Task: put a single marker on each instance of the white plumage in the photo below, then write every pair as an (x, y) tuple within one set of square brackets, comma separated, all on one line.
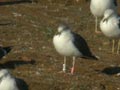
[(64, 45), (110, 26), (7, 82), (98, 7), (68, 43)]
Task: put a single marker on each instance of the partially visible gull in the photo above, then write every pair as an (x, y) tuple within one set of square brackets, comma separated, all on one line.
[(4, 51), (8, 82), (68, 43), (110, 26), (98, 7)]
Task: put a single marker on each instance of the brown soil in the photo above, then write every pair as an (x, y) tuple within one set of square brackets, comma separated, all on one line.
[(30, 27)]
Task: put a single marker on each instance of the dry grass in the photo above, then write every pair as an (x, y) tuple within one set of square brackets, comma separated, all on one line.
[(30, 28)]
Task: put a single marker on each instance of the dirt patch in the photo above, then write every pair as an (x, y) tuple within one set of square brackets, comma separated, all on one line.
[(30, 27)]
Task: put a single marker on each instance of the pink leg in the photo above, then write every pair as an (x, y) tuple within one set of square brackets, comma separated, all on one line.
[(73, 67)]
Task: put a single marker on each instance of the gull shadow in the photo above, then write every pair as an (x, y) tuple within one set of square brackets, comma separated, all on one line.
[(16, 63), (14, 2), (111, 70), (21, 84), (4, 22)]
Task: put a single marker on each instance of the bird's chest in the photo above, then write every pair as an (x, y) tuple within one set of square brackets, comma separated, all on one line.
[(110, 28), (7, 85), (98, 7), (62, 42), (64, 45), (100, 4)]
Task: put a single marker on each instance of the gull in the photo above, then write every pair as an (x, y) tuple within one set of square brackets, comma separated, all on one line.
[(98, 7), (68, 43), (4, 51), (8, 82), (110, 26)]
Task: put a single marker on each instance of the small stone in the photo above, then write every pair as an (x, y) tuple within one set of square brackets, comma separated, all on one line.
[(37, 73), (118, 74), (99, 48), (43, 47)]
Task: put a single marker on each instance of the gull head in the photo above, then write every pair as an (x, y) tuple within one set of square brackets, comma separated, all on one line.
[(108, 13), (3, 72), (63, 27)]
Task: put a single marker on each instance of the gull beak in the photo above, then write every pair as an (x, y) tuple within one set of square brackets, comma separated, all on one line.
[(57, 33), (105, 20)]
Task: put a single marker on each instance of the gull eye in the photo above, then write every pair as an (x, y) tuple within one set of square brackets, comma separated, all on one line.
[(57, 33), (105, 20)]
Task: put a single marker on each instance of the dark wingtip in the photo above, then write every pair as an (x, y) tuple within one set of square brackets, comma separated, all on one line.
[(92, 57), (5, 50), (8, 49), (95, 57)]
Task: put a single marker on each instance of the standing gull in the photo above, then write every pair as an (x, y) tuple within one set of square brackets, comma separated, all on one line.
[(110, 26), (8, 82), (68, 43), (98, 8)]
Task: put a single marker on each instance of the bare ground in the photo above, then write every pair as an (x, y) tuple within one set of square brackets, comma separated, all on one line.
[(30, 27)]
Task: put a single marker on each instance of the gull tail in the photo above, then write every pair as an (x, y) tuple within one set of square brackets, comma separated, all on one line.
[(95, 57), (91, 57)]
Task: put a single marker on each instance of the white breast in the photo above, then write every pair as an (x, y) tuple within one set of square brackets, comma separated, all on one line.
[(98, 7), (110, 28), (8, 84), (64, 45)]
